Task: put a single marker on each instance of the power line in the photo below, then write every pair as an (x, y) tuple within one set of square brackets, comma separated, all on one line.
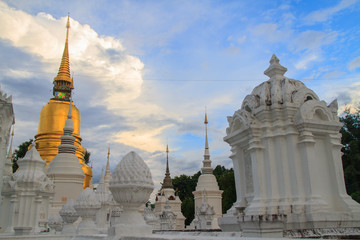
[(180, 80)]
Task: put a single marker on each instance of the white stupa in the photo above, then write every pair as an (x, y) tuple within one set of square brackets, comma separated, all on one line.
[(65, 169), (27, 195), (167, 195), (208, 186)]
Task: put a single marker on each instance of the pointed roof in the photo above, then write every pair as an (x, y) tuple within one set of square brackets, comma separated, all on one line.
[(64, 69), (167, 183), (206, 169)]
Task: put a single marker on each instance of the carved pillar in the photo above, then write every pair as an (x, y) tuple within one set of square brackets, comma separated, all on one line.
[(314, 202), (257, 205)]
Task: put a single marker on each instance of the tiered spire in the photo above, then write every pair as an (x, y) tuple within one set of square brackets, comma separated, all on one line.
[(67, 139), (63, 83), (206, 169), (107, 175), (167, 183)]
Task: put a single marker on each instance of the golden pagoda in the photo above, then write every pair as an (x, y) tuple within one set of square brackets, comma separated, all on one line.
[(54, 114)]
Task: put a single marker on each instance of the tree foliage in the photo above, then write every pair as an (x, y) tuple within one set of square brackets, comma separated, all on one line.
[(87, 157), (185, 185), (20, 153), (351, 157)]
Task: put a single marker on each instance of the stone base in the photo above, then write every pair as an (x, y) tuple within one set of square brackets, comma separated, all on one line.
[(87, 226), (262, 229), (22, 230), (130, 230), (331, 233), (69, 229), (229, 223)]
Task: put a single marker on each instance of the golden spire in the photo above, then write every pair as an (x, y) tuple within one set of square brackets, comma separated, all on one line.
[(63, 83), (108, 155), (167, 183), (64, 70)]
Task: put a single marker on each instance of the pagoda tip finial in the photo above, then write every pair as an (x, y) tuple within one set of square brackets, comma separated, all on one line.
[(167, 148), (68, 21), (206, 120), (274, 58), (69, 114)]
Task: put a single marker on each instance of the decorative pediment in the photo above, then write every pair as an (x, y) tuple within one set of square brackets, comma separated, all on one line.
[(313, 110), (241, 119)]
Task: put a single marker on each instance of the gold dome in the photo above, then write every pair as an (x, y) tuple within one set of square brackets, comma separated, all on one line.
[(51, 123)]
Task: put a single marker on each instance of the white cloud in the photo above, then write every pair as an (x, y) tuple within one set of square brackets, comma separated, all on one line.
[(324, 14), (355, 63), (304, 62), (272, 33), (314, 39)]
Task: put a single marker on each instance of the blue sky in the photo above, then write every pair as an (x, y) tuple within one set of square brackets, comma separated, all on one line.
[(145, 70)]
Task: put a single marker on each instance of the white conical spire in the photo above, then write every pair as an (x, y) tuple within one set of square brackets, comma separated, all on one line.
[(206, 169), (107, 175), (107, 169)]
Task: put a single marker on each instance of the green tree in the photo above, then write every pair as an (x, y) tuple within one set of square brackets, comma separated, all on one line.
[(20, 153), (351, 157), (226, 181), (184, 186), (87, 157)]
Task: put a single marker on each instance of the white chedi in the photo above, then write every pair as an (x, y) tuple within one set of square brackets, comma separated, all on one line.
[(69, 215), (131, 185), (86, 206), (26, 195)]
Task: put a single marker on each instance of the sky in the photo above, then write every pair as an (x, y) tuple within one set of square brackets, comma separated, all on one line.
[(144, 71)]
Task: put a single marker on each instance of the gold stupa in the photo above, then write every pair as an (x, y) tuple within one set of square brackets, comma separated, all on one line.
[(54, 114)]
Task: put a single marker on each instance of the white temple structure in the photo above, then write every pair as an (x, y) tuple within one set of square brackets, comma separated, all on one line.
[(285, 146), (7, 119), (207, 185), (65, 169), (167, 194), (26, 196)]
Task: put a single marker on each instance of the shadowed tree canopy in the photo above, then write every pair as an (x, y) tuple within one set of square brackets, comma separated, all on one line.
[(20, 153), (351, 157), (87, 157)]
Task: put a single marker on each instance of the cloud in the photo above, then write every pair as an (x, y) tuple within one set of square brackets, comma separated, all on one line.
[(355, 63), (324, 14), (311, 39), (271, 32)]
